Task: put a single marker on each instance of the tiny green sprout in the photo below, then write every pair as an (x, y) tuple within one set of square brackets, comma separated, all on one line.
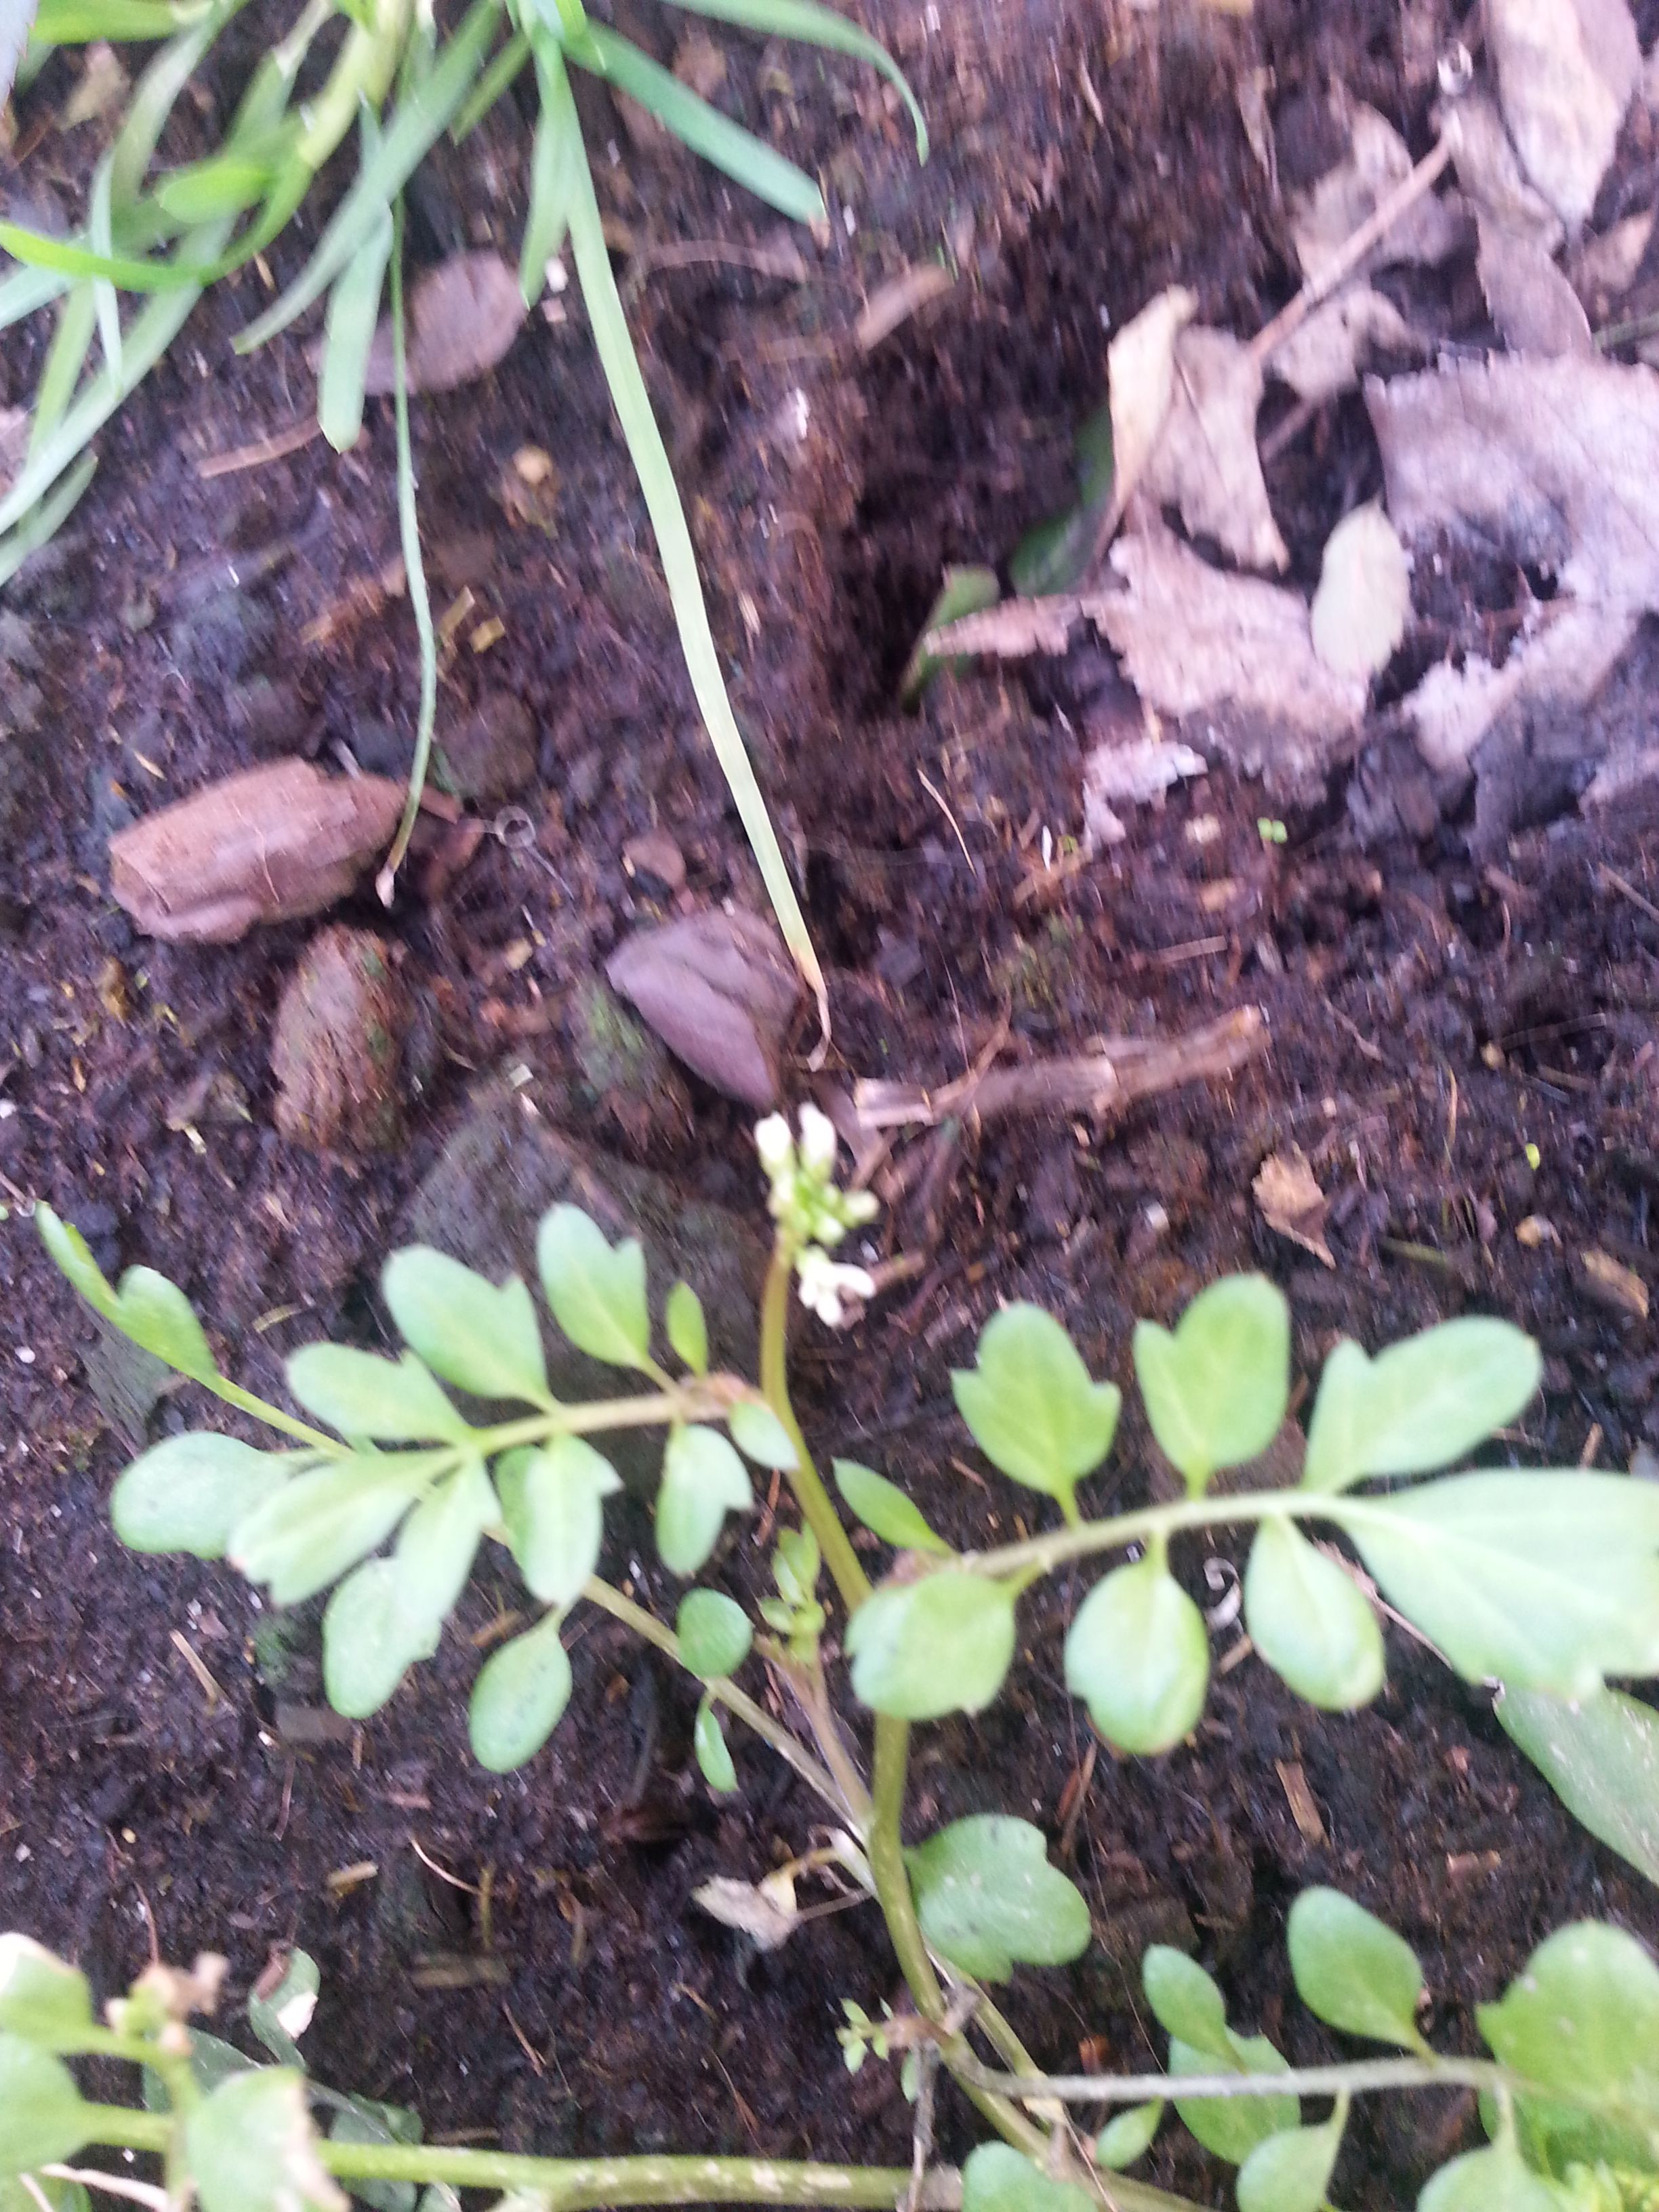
[(812, 1216), (1270, 832)]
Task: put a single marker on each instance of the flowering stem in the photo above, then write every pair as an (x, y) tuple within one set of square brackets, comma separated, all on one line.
[(810, 1495)]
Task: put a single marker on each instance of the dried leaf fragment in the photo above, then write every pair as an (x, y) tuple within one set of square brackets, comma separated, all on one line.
[(1566, 71), (1140, 368), (271, 844), (1365, 595), (1489, 170), (1205, 461), (1324, 219), (1141, 770), (1603, 268), (1534, 308), (1617, 1286), (766, 1911), (1292, 1202), (1323, 356), (720, 992)]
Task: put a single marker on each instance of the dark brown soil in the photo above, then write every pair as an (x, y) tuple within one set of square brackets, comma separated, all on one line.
[(1432, 1019)]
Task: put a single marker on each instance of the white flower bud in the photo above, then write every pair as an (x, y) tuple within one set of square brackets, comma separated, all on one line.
[(818, 1142), (825, 1284), (774, 1144)]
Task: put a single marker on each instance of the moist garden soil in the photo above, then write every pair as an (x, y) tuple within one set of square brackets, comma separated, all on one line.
[(1461, 1046)]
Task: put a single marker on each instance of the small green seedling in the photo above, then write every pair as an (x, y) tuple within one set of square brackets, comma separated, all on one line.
[(384, 1486)]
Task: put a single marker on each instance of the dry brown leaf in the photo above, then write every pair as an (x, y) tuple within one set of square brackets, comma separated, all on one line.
[(1324, 219), (1558, 461), (1534, 308), (1566, 71), (1135, 772), (1604, 269), (1615, 1285), (1140, 367), (765, 1912), (1365, 595), (720, 990), (1322, 358), (1489, 170), (1553, 674), (1205, 463), (1292, 1202), (1231, 650), (463, 318)]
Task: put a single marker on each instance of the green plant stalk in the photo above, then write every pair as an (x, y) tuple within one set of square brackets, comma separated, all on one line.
[(562, 2185), (807, 1485), (652, 1630), (655, 471), (420, 599)]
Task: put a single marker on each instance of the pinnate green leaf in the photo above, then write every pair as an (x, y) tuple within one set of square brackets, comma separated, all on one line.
[(996, 2178), (596, 1290), (885, 1510), (702, 1481), (1139, 1657), (940, 1646), (1419, 1405), (714, 1634), (1129, 2136), (371, 1639), (1352, 1970), (1232, 2127), (1289, 2173), (319, 1524), (1540, 1581), (761, 1436), (1494, 2180), (714, 1757), (1601, 1756), (41, 1997), (42, 2117), (482, 1336), (154, 1312), (988, 1898), (1216, 1386), (189, 1493), (688, 1330), (251, 2147), (1309, 1621), (1582, 2018), (1031, 1404), (519, 1694), (438, 1542), (553, 1506), (362, 1394)]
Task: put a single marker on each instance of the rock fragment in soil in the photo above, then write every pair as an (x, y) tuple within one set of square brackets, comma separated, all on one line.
[(491, 754), (336, 1050), (270, 844), (720, 992), (657, 856), (499, 1174), (463, 316)]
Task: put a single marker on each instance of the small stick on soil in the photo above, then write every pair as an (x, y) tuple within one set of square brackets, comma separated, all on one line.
[(1371, 233), (1616, 882), (276, 447)]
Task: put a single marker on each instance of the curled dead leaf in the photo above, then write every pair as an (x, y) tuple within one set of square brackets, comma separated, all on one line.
[(1140, 367), (1365, 595), (720, 992), (765, 1912), (1292, 1202), (1205, 461)]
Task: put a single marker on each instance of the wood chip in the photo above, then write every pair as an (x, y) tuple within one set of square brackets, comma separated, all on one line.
[(1614, 1286), (1304, 1809)]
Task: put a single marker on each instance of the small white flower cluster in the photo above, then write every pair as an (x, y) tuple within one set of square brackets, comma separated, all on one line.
[(811, 1214)]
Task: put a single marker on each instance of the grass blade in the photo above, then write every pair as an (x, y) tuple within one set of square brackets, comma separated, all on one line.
[(491, 87), (679, 560), (748, 160), (409, 529), (77, 320), (811, 25), (36, 251), (102, 241), (412, 130), (153, 98), (26, 291), (353, 308), (47, 519), (76, 22), (552, 181)]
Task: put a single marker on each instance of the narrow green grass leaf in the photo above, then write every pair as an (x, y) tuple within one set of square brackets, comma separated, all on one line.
[(100, 236), (811, 25), (353, 308), (77, 321), (679, 560), (153, 98), (68, 260), (76, 22), (26, 291), (412, 132), (552, 181), (748, 160), (501, 72)]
